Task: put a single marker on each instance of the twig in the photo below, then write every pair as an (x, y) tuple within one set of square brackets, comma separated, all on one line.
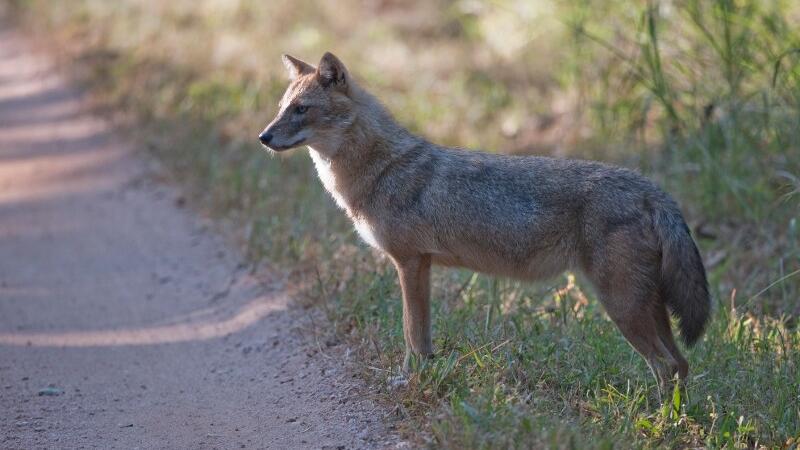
[(779, 280)]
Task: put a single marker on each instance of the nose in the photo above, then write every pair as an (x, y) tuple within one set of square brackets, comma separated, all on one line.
[(265, 137)]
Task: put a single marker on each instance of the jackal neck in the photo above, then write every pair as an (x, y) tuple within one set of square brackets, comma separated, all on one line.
[(367, 149)]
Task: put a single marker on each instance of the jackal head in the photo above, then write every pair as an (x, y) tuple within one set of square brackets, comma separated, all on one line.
[(315, 110)]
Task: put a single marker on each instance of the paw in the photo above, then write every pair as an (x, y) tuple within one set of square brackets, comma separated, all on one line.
[(414, 361)]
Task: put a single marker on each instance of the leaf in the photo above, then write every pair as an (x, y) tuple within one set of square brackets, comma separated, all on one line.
[(676, 401), (645, 424)]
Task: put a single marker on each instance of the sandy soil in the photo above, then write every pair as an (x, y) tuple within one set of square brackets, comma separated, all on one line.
[(125, 321)]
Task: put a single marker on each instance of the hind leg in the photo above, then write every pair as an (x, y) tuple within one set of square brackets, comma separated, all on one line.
[(639, 328), (625, 270), (680, 365)]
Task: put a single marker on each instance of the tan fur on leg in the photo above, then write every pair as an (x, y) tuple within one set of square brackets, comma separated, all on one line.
[(414, 275)]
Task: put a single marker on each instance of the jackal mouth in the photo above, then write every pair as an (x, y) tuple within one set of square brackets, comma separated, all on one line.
[(280, 148)]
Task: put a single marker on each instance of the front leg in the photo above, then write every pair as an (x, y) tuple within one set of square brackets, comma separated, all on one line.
[(415, 281)]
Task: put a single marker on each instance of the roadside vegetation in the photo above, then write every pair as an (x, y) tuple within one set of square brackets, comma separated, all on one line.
[(702, 96)]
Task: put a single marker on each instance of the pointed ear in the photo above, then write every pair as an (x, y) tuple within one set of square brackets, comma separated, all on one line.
[(296, 67), (331, 72)]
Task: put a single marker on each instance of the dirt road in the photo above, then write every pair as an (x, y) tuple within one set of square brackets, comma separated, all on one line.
[(125, 322)]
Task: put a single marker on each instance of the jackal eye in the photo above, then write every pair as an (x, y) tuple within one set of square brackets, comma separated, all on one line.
[(300, 109)]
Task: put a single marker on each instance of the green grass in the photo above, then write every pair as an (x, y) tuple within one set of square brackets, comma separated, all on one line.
[(702, 96), (520, 366)]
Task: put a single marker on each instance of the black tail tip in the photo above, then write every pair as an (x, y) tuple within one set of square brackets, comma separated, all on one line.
[(691, 334)]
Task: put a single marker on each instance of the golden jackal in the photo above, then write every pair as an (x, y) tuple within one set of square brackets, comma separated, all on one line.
[(524, 217)]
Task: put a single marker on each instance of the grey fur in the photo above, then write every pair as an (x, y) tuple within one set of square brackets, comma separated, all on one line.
[(525, 217)]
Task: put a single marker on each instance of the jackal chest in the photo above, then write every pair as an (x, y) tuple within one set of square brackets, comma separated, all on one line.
[(328, 178), (367, 232)]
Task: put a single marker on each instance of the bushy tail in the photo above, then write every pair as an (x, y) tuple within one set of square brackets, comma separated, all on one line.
[(684, 287)]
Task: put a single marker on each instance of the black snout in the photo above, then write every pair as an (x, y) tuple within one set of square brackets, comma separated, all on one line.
[(265, 137)]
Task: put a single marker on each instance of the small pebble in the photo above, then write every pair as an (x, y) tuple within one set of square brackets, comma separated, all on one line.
[(50, 391), (397, 381)]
